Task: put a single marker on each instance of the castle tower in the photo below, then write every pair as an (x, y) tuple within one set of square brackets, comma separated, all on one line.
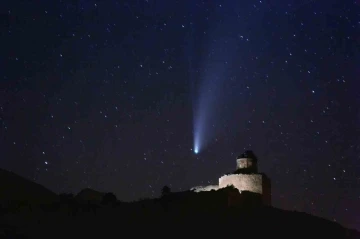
[(247, 178), (246, 163)]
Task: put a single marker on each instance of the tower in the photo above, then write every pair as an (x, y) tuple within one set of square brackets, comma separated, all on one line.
[(246, 163), (247, 178)]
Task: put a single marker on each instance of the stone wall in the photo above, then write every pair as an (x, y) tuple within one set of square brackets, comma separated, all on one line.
[(256, 183), (205, 188), (243, 182)]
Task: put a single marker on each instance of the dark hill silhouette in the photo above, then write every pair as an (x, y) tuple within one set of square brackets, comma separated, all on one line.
[(14, 188), (89, 195), (222, 213)]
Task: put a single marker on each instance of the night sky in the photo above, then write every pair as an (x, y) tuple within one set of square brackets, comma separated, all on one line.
[(117, 95)]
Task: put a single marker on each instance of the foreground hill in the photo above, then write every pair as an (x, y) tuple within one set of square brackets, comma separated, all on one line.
[(222, 213), (14, 188)]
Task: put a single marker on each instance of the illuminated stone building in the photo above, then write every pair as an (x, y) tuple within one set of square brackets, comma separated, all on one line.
[(245, 178)]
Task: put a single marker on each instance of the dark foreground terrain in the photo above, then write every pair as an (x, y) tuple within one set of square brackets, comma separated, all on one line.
[(224, 213), (165, 217)]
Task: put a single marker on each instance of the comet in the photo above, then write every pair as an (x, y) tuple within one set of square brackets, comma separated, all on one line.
[(210, 75)]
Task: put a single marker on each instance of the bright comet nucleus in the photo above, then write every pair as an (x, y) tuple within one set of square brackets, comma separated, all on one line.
[(197, 140)]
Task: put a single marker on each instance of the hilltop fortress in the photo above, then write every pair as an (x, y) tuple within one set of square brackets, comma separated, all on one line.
[(245, 178)]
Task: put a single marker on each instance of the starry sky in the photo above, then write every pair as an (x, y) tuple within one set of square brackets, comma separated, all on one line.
[(115, 95)]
